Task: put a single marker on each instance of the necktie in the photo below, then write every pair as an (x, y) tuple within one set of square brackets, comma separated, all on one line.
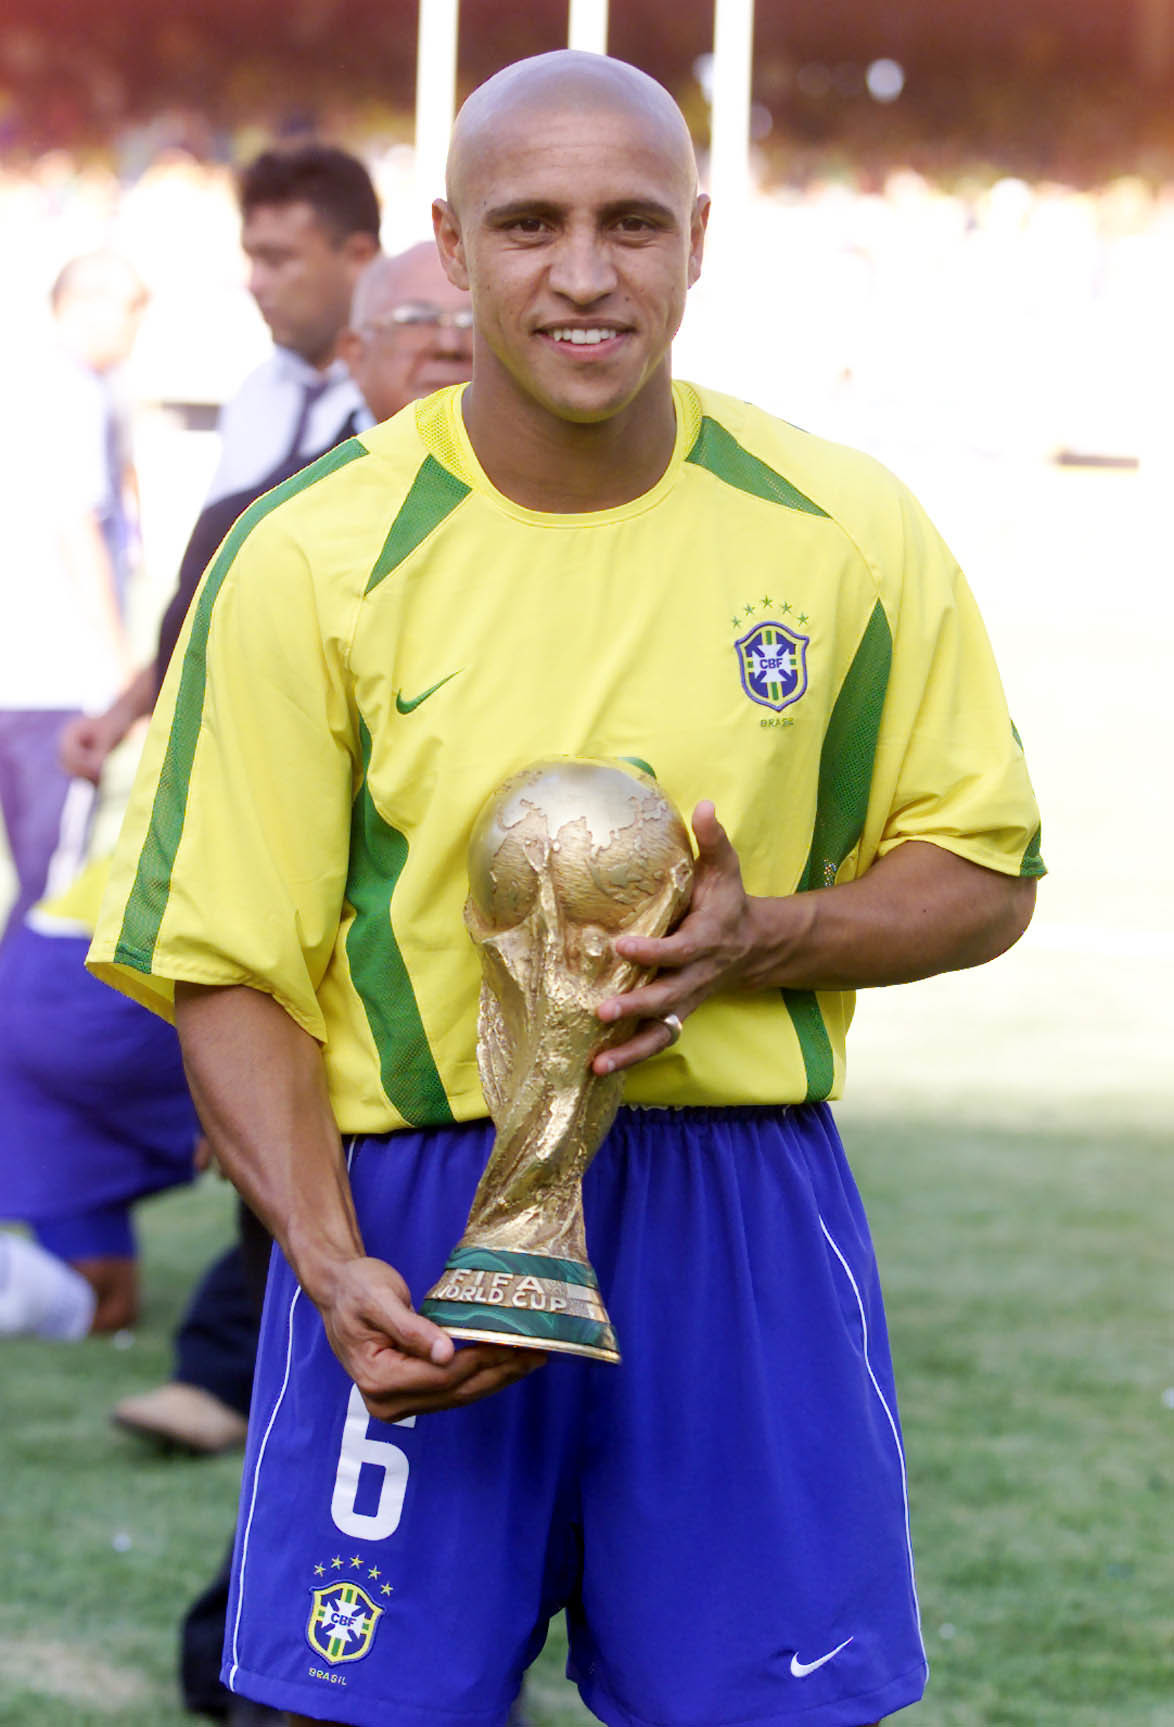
[(310, 394)]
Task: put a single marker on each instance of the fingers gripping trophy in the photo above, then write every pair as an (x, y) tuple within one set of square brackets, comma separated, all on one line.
[(564, 857)]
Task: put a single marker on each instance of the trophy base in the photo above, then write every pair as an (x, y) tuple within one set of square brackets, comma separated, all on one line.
[(529, 1300)]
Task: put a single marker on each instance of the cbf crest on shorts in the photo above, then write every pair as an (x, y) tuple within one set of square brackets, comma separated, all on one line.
[(773, 662), (342, 1622)]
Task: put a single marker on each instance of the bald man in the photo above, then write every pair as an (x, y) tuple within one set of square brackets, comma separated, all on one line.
[(574, 556), (410, 331)]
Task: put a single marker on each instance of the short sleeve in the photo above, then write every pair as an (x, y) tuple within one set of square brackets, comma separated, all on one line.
[(232, 861), (950, 765)]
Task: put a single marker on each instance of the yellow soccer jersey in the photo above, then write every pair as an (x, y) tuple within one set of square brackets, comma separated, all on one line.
[(380, 641)]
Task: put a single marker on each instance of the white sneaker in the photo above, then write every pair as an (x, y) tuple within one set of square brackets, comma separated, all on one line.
[(40, 1295)]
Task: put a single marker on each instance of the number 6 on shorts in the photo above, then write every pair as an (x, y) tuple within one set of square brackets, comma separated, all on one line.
[(357, 1448)]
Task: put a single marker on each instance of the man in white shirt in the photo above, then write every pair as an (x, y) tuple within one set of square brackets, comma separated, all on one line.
[(310, 226), (68, 528)]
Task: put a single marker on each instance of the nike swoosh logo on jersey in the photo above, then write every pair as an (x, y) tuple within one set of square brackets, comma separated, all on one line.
[(406, 707), (800, 1669)]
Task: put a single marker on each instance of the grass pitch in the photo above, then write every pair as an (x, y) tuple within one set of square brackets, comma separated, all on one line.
[(1029, 1300)]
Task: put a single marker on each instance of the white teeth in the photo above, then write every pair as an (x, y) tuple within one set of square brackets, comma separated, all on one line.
[(583, 338)]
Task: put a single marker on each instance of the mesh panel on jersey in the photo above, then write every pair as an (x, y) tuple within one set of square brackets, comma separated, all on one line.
[(1032, 863), (436, 422), (721, 454), (433, 494), (849, 748), (378, 853), (845, 779), (152, 884)]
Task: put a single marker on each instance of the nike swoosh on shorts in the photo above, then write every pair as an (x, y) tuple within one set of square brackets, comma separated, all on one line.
[(800, 1669)]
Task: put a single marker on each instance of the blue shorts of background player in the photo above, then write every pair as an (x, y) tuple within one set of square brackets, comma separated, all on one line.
[(95, 1117), (723, 1518)]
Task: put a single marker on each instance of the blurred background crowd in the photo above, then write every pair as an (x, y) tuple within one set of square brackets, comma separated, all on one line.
[(994, 182)]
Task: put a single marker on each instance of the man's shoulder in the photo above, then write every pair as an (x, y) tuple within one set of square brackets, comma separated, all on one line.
[(359, 486), (834, 479)]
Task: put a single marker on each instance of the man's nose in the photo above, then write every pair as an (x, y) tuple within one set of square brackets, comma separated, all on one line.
[(449, 339), (582, 268)]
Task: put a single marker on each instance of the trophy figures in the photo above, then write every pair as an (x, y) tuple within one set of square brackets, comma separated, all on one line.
[(564, 857)]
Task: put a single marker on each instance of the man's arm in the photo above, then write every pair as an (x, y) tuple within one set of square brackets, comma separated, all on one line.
[(88, 740), (918, 911), (259, 1086)]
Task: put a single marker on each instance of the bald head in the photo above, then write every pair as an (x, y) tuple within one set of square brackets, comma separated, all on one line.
[(390, 281), (409, 333), (524, 101), (97, 300), (94, 276)]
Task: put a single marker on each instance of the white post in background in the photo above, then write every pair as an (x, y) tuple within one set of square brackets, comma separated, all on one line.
[(729, 148), (436, 82), (587, 26)]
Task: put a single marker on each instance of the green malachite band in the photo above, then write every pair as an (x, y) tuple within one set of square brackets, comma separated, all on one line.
[(378, 853), (433, 495), (845, 779), (523, 1265), (723, 456), (148, 897), (536, 1328)]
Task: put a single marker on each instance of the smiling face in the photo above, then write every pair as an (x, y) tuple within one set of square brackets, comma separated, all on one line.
[(574, 220)]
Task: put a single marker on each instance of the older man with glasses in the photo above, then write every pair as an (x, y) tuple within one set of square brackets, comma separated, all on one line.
[(411, 331)]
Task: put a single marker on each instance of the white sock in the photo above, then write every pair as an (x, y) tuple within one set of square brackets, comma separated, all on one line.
[(40, 1295)]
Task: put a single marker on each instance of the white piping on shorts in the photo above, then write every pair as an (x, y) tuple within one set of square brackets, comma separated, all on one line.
[(240, 1595), (892, 1427)]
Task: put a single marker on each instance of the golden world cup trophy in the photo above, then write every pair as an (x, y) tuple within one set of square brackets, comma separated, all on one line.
[(564, 857)]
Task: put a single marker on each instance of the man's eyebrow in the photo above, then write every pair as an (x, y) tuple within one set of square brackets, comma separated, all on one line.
[(546, 210)]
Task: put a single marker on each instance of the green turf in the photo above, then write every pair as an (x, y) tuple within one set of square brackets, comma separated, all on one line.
[(1030, 1304)]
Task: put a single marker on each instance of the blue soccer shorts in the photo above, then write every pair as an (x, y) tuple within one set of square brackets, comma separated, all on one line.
[(723, 1518)]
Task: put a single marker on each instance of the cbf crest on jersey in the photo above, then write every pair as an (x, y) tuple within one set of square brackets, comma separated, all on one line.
[(342, 1622), (773, 662)]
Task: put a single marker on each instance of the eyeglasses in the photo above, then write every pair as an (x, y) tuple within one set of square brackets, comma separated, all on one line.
[(422, 315)]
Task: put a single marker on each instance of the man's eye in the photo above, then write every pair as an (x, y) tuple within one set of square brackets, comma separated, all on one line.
[(634, 225)]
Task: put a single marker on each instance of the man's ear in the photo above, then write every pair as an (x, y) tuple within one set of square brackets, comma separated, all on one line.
[(359, 249), (349, 348), (697, 229), (447, 228)]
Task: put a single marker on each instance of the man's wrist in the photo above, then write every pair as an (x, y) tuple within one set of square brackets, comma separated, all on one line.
[(321, 1267), (780, 931)]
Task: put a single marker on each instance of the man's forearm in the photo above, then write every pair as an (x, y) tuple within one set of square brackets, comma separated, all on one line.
[(258, 1083), (133, 702), (918, 911)]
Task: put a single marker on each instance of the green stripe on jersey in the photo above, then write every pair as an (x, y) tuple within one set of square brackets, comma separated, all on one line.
[(718, 451), (433, 495), (378, 853), (152, 884), (845, 779), (1032, 863)]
